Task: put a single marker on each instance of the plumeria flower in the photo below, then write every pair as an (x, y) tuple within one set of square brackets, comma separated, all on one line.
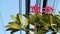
[(35, 9), (48, 10)]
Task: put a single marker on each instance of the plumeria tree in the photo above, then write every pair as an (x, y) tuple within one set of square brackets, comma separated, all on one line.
[(42, 21), (17, 24)]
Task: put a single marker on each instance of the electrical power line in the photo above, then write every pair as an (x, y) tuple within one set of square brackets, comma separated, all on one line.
[(55, 5), (2, 24)]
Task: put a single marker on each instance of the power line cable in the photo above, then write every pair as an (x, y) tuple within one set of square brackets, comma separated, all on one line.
[(2, 24), (55, 5)]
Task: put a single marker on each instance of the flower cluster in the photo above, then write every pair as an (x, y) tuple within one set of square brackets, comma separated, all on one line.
[(35, 9), (47, 10)]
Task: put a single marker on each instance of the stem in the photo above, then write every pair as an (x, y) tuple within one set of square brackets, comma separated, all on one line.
[(52, 25), (35, 29), (50, 20)]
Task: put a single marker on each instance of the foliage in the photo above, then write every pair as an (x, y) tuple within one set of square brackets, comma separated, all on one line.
[(42, 21), (17, 24)]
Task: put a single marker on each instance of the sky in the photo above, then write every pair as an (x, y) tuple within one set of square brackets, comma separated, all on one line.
[(11, 7)]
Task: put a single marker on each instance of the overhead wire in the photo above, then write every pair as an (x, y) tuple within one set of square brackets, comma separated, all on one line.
[(53, 3), (56, 6), (2, 24)]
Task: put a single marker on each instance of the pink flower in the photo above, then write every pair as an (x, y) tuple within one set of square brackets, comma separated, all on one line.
[(48, 10), (35, 9)]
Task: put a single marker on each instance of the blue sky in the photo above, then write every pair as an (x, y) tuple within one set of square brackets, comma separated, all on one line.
[(11, 7)]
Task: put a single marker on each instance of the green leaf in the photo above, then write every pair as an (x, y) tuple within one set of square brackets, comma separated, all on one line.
[(26, 16), (19, 17), (12, 30), (25, 23), (58, 17), (13, 26), (14, 18)]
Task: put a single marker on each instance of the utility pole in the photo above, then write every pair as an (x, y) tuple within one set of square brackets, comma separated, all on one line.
[(27, 12), (44, 3), (20, 10), (20, 6)]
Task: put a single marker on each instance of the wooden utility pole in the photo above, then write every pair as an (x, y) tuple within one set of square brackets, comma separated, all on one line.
[(27, 12), (20, 6), (20, 10), (44, 3)]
